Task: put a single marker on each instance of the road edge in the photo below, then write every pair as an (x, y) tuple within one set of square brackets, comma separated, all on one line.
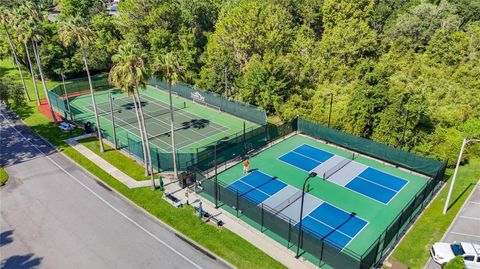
[(175, 232)]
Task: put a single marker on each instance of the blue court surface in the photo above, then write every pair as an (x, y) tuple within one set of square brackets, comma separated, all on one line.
[(326, 221), (367, 181), (335, 225)]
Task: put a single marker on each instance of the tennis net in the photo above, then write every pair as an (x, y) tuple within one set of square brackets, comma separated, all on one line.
[(150, 115), (279, 208), (330, 172)]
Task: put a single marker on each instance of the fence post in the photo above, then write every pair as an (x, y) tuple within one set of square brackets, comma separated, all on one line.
[(289, 231), (158, 160), (321, 251), (236, 204), (244, 149), (262, 219), (399, 225)]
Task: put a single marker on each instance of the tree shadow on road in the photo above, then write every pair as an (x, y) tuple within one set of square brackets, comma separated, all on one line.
[(5, 238), (21, 262)]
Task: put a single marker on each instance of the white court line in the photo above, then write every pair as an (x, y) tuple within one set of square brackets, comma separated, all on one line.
[(476, 203), (383, 186), (301, 156), (465, 234), (179, 112), (190, 116), (225, 122), (100, 198), (334, 229), (159, 122), (253, 187)]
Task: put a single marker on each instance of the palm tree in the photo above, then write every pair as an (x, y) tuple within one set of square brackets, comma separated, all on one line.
[(36, 36), (129, 73), (6, 18), (24, 33), (75, 30), (168, 68)]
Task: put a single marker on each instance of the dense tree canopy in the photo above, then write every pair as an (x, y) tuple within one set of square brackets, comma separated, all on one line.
[(401, 72)]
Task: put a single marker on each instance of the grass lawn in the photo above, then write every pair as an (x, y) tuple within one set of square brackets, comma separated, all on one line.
[(413, 251), (222, 242), (8, 69), (3, 176), (117, 159)]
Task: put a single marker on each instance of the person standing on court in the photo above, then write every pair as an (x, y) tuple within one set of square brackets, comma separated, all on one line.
[(246, 164)]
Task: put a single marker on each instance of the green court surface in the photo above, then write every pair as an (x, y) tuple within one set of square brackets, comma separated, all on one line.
[(195, 125), (378, 215)]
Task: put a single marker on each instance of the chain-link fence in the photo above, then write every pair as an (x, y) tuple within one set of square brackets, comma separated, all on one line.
[(239, 109), (325, 251)]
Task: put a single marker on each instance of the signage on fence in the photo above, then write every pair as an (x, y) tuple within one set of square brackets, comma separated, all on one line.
[(196, 96)]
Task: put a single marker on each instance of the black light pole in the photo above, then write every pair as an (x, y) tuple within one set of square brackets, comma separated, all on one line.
[(66, 94), (216, 179), (330, 110), (110, 99), (405, 113), (312, 174)]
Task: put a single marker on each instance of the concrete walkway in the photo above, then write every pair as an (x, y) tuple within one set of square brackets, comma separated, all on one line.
[(274, 249), (106, 166)]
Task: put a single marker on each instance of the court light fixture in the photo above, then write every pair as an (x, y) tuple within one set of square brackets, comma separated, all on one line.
[(465, 142), (311, 175)]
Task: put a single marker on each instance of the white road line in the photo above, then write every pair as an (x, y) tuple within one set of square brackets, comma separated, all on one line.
[(100, 198), (465, 217), (474, 203), (465, 234)]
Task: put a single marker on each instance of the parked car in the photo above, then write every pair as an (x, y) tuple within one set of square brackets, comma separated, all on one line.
[(442, 253)]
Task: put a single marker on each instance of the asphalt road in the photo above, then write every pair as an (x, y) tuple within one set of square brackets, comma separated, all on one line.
[(466, 225), (56, 215)]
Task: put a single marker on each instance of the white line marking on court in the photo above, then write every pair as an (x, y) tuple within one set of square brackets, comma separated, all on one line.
[(383, 186), (301, 156), (318, 161), (465, 234), (100, 198), (476, 203), (334, 229)]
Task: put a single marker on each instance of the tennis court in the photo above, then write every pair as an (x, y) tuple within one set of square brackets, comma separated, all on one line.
[(195, 126), (189, 128), (350, 204), (377, 185)]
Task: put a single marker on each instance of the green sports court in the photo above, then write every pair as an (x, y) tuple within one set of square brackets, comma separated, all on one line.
[(197, 122), (354, 209)]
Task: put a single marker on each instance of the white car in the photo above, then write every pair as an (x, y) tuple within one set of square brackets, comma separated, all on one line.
[(442, 253)]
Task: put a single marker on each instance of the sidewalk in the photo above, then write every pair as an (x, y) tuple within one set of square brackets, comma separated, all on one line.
[(271, 247), (106, 166)]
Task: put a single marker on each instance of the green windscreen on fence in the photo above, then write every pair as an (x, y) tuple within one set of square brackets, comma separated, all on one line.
[(371, 148), (326, 252), (81, 86), (242, 110)]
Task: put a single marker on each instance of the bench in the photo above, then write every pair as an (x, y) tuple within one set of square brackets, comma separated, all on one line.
[(210, 218), (172, 200)]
